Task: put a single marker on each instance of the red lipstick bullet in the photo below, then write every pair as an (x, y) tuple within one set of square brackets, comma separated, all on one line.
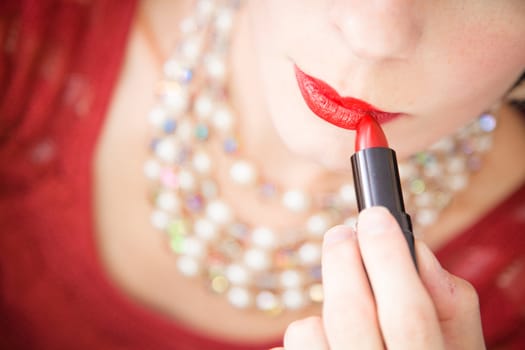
[(376, 176)]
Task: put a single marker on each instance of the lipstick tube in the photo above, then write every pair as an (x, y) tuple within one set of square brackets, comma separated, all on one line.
[(376, 182)]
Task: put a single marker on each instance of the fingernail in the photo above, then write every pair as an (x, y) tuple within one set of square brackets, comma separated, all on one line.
[(338, 234), (374, 221)]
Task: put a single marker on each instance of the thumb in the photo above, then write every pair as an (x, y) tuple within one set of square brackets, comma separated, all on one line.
[(455, 300)]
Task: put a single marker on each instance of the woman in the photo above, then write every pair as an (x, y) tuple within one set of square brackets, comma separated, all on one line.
[(97, 255)]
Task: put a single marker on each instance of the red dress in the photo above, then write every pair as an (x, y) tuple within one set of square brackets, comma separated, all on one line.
[(59, 64)]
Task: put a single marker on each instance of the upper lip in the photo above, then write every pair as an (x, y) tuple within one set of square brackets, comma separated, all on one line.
[(325, 101)]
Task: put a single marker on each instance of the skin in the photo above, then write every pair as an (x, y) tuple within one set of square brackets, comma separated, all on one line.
[(439, 63)]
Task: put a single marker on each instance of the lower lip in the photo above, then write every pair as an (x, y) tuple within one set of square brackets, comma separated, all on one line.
[(325, 102)]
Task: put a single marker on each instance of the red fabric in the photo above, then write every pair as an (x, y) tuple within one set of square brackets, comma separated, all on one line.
[(59, 63)]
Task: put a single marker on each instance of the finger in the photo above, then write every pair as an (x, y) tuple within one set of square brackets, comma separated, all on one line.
[(405, 311), (306, 333), (349, 313), (455, 300)]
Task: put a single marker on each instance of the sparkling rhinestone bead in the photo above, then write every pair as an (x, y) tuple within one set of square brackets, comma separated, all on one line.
[(243, 172), (169, 179), (219, 284), (239, 297), (169, 126), (209, 189), (487, 122), (230, 145), (296, 201), (202, 132), (194, 203)]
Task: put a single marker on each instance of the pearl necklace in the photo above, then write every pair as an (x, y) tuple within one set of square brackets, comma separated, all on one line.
[(257, 265)]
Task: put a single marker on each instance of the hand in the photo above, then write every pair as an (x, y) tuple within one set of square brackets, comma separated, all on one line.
[(393, 307)]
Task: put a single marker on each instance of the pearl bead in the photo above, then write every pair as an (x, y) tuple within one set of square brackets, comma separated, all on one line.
[(159, 219), (156, 116), (166, 150), (243, 172), (215, 67), (186, 180), (152, 169), (224, 21), (237, 274), (188, 266), (203, 106), (266, 301), (317, 225), (263, 237), (456, 164), (202, 162), (351, 222), (347, 194), (293, 299), (205, 229), (168, 201), (223, 119), (458, 182), (406, 171), (256, 259), (239, 297), (185, 131), (290, 279), (175, 98), (444, 145), (191, 49), (316, 293), (218, 212), (426, 217), (296, 201), (193, 247), (309, 253)]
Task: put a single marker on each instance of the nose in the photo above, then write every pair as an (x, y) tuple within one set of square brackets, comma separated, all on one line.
[(379, 29)]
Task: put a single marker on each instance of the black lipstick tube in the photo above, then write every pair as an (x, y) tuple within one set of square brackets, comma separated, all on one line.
[(376, 182)]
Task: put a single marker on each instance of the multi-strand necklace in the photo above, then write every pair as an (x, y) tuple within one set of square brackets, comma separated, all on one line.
[(253, 264)]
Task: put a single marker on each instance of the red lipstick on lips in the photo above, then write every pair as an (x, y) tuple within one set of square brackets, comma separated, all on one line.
[(325, 102)]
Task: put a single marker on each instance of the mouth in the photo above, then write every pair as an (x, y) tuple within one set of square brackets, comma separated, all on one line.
[(326, 103)]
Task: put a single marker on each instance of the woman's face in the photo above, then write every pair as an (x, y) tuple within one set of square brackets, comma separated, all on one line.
[(440, 63)]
